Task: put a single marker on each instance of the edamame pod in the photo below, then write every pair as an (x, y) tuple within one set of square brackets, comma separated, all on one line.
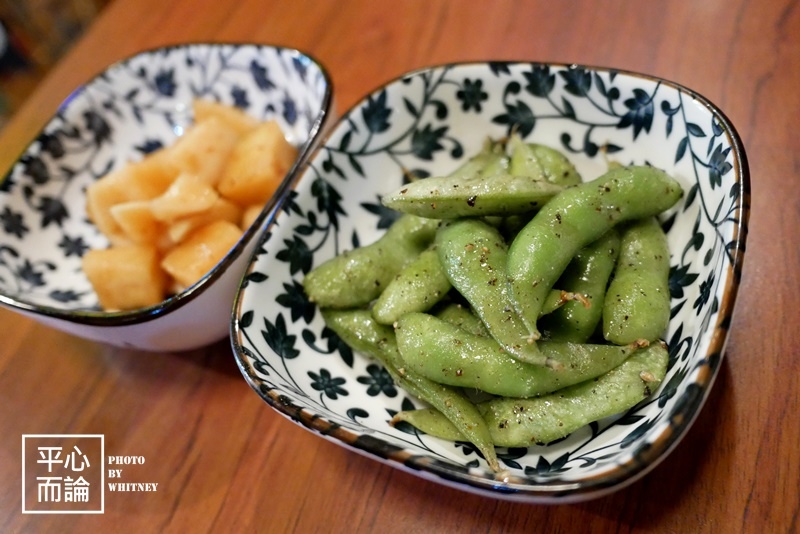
[(510, 226), (542, 162), (354, 278), (361, 332), (491, 152), (638, 300), (431, 422), (525, 422), (445, 197), (449, 355), (587, 274), (558, 298), (473, 255), (416, 288), (462, 317), (495, 165), (576, 217)]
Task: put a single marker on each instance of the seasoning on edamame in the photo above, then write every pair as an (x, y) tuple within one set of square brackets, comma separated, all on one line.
[(543, 162), (360, 331), (525, 422), (445, 197), (587, 274), (416, 288), (541, 420), (562, 251), (473, 255), (449, 355), (462, 317), (638, 299), (354, 278), (576, 217)]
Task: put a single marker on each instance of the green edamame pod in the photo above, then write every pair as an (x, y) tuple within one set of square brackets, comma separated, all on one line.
[(576, 217), (525, 422), (354, 278), (490, 153), (462, 317), (638, 300), (510, 226), (542, 162), (430, 421), (473, 255), (445, 197), (558, 298), (495, 165), (449, 355), (361, 332), (587, 274), (417, 287)]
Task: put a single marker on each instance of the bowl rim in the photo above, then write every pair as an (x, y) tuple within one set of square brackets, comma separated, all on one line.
[(644, 457), (264, 218)]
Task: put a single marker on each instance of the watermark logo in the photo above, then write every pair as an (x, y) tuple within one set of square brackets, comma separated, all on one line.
[(63, 473)]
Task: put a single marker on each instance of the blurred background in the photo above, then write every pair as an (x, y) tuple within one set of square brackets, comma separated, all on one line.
[(34, 34)]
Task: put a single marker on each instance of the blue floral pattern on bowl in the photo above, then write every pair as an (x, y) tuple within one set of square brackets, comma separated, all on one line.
[(425, 124)]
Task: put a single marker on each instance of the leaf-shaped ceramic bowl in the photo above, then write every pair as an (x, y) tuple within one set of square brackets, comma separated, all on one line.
[(427, 123), (134, 106)]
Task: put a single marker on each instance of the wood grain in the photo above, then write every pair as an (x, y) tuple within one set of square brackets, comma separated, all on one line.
[(226, 462)]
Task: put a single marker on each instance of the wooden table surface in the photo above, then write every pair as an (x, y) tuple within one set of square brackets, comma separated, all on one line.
[(225, 462)]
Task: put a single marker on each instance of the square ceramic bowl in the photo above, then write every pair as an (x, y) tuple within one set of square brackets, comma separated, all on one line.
[(134, 106), (427, 123)]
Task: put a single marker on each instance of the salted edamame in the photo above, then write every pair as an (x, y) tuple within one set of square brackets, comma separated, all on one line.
[(587, 274), (525, 422), (356, 277), (515, 234), (479, 195), (462, 317), (543, 162), (450, 355), (430, 421), (541, 420), (638, 300), (416, 288), (473, 254), (489, 184), (577, 216), (361, 332)]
